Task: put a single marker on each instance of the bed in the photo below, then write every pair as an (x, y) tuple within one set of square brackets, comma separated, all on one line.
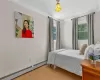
[(67, 59)]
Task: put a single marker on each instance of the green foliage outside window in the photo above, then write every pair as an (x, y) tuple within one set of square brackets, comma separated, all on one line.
[(82, 31)]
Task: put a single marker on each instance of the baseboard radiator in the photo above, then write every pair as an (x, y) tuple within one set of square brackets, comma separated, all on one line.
[(23, 71)]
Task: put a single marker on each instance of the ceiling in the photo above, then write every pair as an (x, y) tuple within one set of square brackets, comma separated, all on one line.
[(70, 8)]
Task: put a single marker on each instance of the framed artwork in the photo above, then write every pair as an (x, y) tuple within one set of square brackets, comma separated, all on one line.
[(24, 25)]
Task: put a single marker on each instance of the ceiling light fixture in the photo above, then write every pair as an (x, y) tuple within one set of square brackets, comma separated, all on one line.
[(58, 6)]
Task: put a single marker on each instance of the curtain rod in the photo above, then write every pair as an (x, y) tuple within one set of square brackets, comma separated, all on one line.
[(83, 15), (53, 19)]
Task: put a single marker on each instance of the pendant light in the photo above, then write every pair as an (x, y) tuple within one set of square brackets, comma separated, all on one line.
[(58, 6)]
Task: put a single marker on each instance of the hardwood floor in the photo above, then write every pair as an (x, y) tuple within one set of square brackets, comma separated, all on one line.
[(47, 73)]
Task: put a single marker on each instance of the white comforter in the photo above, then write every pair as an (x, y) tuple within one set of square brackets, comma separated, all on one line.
[(52, 56), (67, 59)]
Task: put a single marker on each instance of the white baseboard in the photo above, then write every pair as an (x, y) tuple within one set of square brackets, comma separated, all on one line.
[(21, 72)]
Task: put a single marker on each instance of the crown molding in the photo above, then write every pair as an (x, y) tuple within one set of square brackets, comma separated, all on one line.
[(29, 7), (81, 14)]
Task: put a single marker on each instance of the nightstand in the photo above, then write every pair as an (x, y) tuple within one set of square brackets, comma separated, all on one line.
[(90, 71)]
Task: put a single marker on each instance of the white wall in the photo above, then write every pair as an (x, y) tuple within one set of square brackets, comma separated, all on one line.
[(97, 26), (66, 34), (16, 54)]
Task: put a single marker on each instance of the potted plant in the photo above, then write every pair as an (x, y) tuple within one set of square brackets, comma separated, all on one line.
[(92, 58)]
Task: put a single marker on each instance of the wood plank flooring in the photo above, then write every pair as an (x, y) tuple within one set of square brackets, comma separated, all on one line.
[(48, 73)]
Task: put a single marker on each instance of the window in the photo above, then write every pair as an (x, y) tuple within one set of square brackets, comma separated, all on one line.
[(82, 31), (54, 31)]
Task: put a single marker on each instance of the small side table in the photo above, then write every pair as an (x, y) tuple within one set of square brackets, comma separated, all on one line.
[(90, 71)]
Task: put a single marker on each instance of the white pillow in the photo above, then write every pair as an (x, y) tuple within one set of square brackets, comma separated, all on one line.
[(82, 49), (97, 51), (97, 46), (88, 50)]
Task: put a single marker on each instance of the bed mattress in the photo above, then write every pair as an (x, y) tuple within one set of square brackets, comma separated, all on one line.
[(69, 60)]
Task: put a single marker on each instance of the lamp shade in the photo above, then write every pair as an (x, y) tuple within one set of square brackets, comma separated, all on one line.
[(58, 7)]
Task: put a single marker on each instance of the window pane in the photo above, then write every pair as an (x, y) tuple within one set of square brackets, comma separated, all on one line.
[(82, 31), (82, 35), (54, 33)]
